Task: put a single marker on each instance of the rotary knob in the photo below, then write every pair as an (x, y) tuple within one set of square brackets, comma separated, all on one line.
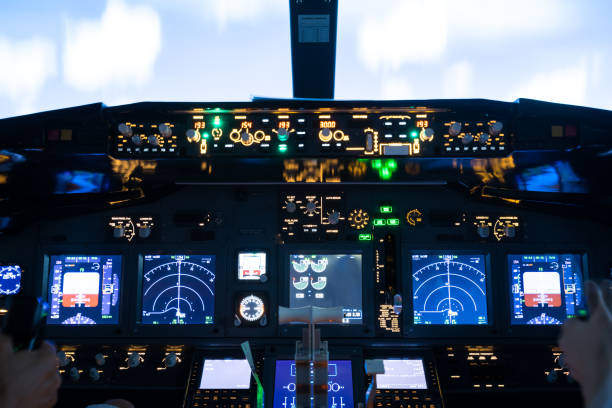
[(94, 374), (426, 135), (483, 231), (62, 359), (496, 128), (136, 140), (510, 231), (74, 374), (170, 360), (133, 360), (467, 139), (311, 207), (164, 130), (124, 129), (358, 219), (144, 232), (484, 138), (334, 217), (153, 141), (283, 134), (118, 232), (100, 359), (325, 135), (454, 129), (291, 207), (193, 136)]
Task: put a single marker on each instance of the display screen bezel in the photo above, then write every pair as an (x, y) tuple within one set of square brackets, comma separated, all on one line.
[(201, 377), (366, 328)]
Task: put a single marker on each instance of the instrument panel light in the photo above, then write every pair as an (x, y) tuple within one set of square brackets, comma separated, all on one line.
[(386, 209), (365, 237), (217, 121), (393, 221), (379, 222), (282, 148)]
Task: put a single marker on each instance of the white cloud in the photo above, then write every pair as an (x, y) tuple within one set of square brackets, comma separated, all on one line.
[(26, 66), (231, 11), (458, 80), (564, 85), (396, 88), (118, 49), (411, 31)]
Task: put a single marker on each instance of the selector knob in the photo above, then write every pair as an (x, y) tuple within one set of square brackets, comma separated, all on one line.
[(510, 231), (325, 135), (291, 207), (483, 231), (133, 360), (94, 374), (334, 217), (144, 232), (118, 232), (496, 128), (467, 138), (170, 360), (552, 376), (283, 134), (153, 140), (311, 207), (369, 145), (164, 130), (100, 359), (484, 138), (74, 374), (192, 135), (136, 140), (426, 135), (454, 129), (245, 137), (125, 130), (62, 359)]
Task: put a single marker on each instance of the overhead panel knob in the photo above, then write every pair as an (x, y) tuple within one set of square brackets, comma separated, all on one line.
[(144, 232), (164, 130), (100, 359), (94, 374), (125, 130), (483, 231), (283, 134), (510, 231), (454, 129), (62, 359), (133, 360), (334, 217), (118, 232), (467, 139), (484, 138), (136, 140), (496, 128), (170, 360), (153, 141), (325, 135), (291, 207), (74, 374)]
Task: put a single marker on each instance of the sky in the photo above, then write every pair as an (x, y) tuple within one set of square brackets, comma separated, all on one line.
[(72, 52)]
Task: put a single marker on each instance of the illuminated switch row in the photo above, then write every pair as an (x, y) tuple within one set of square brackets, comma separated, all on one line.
[(380, 222)]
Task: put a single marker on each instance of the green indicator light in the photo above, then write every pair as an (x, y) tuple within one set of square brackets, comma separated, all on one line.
[(386, 209), (282, 148), (365, 237), (217, 121), (392, 164), (385, 173), (414, 134), (581, 312), (379, 222), (376, 164), (205, 135), (393, 221), (283, 137)]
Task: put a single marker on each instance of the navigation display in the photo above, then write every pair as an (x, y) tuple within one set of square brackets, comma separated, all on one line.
[(84, 289), (406, 374), (546, 288), (10, 279), (449, 289), (225, 375), (178, 289), (251, 265), (340, 382), (327, 281)]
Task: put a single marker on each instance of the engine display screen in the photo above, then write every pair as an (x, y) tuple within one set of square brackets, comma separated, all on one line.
[(449, 289), (251, 265), (178, 289), (340, 383), (10, 279), (225, 375), (84, 289), (327, 281), (546, 288), (408, 374)]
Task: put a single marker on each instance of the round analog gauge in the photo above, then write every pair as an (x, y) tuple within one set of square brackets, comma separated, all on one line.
[(79, 319), (10, 279), (252, 308), (358, 219)]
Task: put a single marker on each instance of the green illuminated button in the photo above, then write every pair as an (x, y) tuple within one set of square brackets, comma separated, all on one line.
[(414, 134), (393, 221), (386, 209), (282, 148), (376, 164), (385, 173), (391, 164), (365, 237), (379, 222), (217, 121)]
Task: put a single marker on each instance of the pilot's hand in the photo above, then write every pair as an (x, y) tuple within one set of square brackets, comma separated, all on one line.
[(28, 378), (587, 345)]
